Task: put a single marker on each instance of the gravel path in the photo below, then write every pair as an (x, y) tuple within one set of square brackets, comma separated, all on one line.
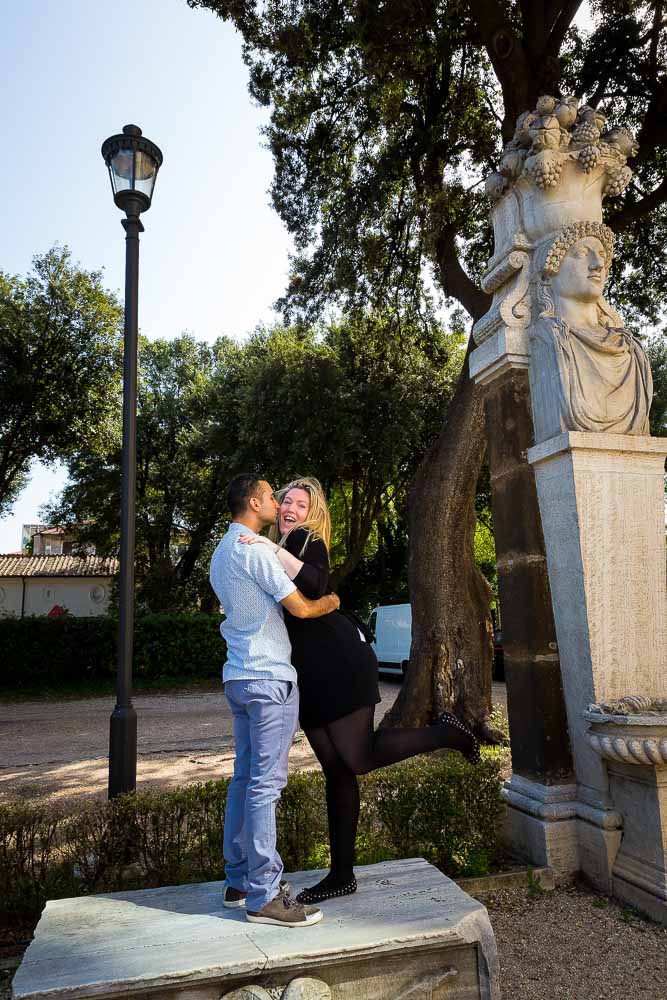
[(573, 944), (58, 749)]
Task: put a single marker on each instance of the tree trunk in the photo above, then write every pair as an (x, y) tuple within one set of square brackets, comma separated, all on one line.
[(452, 636)]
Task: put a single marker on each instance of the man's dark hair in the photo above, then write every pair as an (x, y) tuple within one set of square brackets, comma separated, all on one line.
[(239, 491)]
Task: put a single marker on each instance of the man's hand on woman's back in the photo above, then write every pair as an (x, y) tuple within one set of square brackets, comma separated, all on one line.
[(301, 607)]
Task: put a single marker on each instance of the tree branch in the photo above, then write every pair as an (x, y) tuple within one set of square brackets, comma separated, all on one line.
[(653, 132), (624, 218), (455, 282), (560, 28), (599, 91), (508, 58)]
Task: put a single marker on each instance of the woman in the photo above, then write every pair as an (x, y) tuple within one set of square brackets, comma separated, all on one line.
[(338, 685)]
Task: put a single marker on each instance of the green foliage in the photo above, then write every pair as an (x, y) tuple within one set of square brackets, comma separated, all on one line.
[(180, 478), (49, 653), (620, 66), (372, 111), (498, 721), (385, 118), (438, 808), (301, 821), (31, 865), (179, 645), (380, 381), (59, 366), (270, 405), (656, 348), (485, 550)]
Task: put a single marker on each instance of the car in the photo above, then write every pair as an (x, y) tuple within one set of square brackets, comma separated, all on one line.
[(392, 625)]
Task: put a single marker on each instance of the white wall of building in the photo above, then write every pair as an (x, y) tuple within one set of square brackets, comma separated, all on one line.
[(83, 597)]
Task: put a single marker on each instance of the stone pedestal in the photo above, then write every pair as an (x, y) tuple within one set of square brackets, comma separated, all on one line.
[(602, 507), (408, 932), (540, 823), (634, 748), (600, 494), (540, 818)]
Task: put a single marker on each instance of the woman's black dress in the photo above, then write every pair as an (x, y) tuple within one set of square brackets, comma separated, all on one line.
[(337, 669)]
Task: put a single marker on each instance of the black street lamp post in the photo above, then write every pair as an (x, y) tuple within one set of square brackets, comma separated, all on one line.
[(133, 163)]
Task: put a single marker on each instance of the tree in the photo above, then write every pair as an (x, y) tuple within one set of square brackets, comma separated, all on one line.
[(60, 336), (355, 404), (181, 475), (384, 120), (657, 355)]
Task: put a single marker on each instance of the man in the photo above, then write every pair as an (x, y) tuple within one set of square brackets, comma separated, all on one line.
[(261, 688)]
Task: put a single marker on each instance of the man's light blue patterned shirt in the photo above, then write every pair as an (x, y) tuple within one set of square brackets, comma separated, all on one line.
[(250, 582)]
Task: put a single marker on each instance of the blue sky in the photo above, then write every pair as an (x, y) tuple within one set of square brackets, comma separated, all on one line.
[(214, 256)]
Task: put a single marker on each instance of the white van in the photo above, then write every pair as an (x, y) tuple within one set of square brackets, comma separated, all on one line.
[(392, 625)]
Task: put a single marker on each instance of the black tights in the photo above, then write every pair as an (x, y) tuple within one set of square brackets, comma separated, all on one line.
[(350, 746)]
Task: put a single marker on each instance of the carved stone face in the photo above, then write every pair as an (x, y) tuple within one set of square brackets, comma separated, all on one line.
[(583, 271)]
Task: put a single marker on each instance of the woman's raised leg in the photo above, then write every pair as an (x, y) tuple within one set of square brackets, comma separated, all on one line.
[(364, 749)]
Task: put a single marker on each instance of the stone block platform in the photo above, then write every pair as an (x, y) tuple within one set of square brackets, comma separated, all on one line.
[(408, 932)]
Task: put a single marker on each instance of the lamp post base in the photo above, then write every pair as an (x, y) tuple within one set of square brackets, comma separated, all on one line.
[(122, 751)]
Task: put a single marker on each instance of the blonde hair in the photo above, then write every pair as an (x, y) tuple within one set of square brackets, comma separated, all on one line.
[(318, 521)]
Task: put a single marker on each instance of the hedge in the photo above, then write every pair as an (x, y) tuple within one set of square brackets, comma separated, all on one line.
[(437, 807), (68, 650)]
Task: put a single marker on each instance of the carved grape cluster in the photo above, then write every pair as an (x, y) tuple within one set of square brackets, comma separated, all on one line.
[(588, 158), (545, 169), (617, 180), (586, 133)]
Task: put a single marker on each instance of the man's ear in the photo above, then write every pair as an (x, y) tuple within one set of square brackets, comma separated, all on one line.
[(254, 503)]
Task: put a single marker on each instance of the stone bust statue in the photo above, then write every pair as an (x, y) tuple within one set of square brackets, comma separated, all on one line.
[(587, 372)]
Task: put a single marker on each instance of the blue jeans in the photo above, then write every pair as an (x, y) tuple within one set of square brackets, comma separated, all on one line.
[(265, 720)]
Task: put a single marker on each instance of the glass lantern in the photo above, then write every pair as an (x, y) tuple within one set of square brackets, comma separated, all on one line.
[(133, 162)]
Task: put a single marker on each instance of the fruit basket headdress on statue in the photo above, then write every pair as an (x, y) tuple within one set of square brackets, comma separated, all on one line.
[(552, 253)]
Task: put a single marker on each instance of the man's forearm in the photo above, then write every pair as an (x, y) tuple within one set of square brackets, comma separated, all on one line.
[(322, 606), (302, 607)]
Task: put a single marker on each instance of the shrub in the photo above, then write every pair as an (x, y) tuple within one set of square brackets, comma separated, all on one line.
[(439, 808), (177, 645), (38, 652), (32, 868), (301, 822)]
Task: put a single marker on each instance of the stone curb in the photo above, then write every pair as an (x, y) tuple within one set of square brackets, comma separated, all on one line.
[(509, 880)]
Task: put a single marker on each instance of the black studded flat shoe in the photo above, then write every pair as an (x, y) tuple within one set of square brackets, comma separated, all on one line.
[(473, 755), (310, 896)]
